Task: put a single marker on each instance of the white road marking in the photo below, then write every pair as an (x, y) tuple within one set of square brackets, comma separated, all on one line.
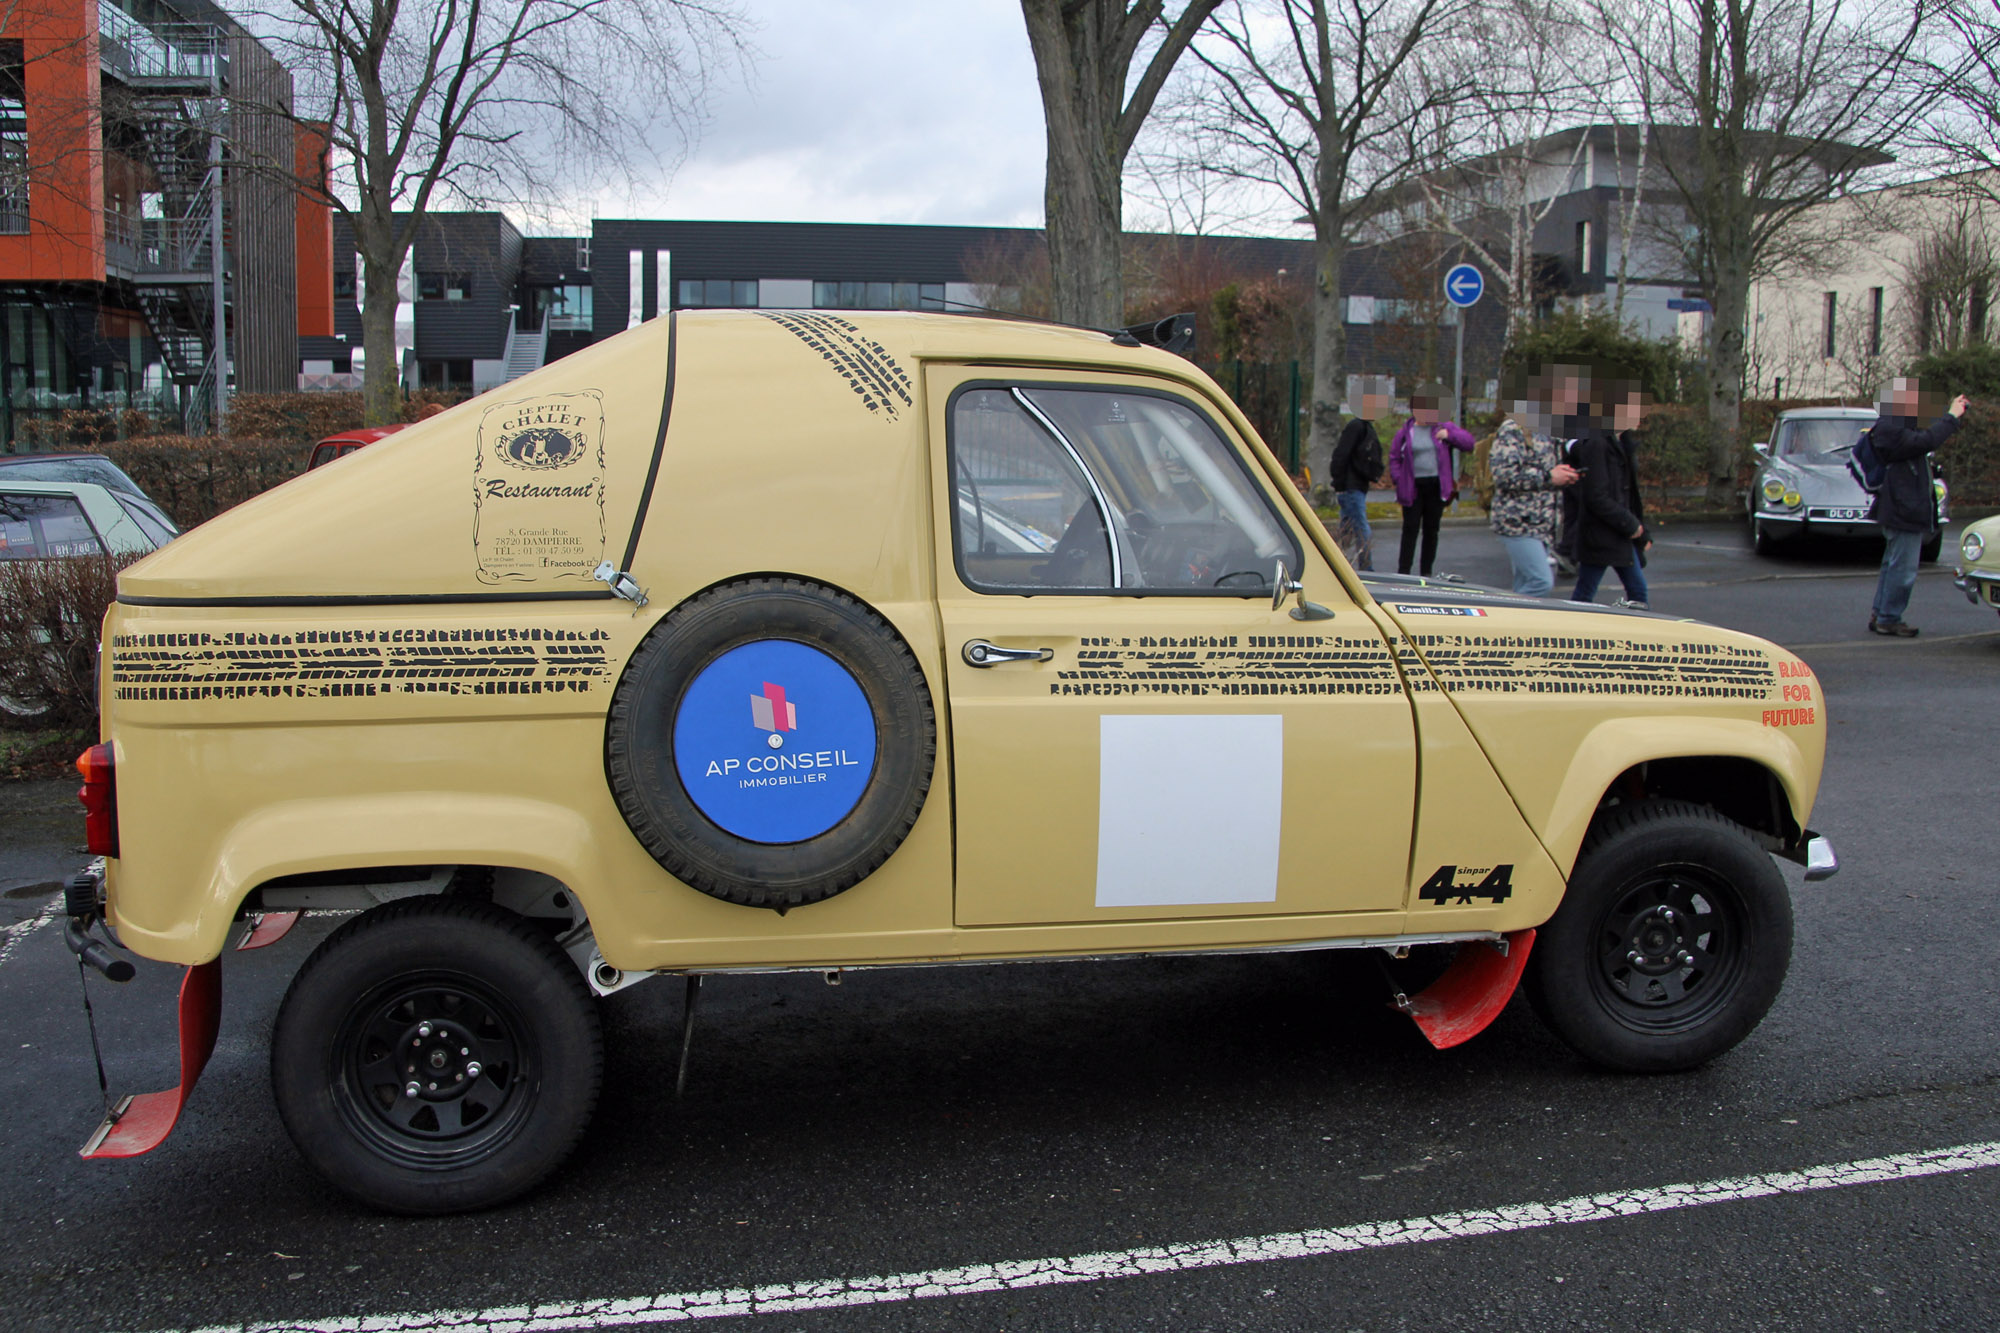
[(11, 937), (1019, 1274)]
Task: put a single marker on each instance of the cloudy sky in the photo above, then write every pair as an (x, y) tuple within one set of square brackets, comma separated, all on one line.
[(868, 111)]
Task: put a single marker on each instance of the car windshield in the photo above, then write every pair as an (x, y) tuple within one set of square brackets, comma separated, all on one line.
[(97, 471), (1820, 439)]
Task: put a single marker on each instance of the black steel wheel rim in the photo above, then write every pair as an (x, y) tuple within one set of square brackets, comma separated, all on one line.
[(1670, 950), (434, 1071)]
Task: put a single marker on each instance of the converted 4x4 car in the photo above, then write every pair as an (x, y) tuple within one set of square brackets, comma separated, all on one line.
[(759, 640)]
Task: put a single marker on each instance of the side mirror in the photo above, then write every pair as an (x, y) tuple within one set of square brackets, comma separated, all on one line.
[(1761, 450), (1283, 585)]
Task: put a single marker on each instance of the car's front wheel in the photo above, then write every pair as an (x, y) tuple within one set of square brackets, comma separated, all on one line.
[(436, 1055), (1671, 942)]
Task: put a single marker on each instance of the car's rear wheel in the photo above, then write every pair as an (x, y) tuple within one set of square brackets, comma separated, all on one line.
[(436, 1055), (1671, 943)]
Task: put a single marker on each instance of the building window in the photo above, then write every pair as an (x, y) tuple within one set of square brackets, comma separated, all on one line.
[(716, 293), (878, 295), (343, 285), (1975, 311), (13, 140), (583, 253), (1583, 247), (444, 287), (1826, 336), (445, 375), (566, 307), (1874, 321)]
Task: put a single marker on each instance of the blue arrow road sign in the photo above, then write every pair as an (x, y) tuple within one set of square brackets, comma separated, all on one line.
[(1463, 285)]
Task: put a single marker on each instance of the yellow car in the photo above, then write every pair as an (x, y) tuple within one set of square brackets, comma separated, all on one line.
[(762, 640), (1978, 573)]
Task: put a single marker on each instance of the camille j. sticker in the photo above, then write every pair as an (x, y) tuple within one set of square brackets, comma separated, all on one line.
[(538, 490)]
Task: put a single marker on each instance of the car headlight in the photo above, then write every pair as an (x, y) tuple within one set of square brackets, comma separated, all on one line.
[(1939, 489), (1774, 491), (1792, 499), (1972, 546)]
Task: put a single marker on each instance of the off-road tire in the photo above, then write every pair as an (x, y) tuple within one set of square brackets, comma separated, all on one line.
[(526, 1010), (1658, 878), (639, 743)]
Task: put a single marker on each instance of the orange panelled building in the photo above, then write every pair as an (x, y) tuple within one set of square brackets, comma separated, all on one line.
[(154, 254)]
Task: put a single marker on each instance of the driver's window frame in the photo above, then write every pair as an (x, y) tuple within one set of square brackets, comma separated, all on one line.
[(1231, 446)]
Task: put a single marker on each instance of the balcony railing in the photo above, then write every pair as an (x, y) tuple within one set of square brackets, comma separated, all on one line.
[(168, 53)]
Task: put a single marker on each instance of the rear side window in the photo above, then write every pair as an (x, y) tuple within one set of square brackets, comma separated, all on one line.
[(159, 529), (43, 526)]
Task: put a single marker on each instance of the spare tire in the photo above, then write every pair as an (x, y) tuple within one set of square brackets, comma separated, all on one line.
[(771, 742)]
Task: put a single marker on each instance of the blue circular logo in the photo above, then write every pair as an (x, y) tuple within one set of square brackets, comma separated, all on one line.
[(775, 742)]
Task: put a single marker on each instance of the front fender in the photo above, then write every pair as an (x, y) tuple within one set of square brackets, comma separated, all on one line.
[(1616, 744)]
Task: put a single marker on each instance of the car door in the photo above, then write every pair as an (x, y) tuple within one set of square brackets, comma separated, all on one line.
[(1137, 734)]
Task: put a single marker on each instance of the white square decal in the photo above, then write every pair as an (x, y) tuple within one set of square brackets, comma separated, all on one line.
[(1188, 809)]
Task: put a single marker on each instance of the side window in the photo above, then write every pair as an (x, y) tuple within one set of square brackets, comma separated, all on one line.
[(1185, 515), (38, 526), (1027, 520)]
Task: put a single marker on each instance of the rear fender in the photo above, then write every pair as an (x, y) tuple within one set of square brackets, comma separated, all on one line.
[(298, 837)]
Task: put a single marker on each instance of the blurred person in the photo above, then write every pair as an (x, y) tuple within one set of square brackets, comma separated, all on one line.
[(1905, 505), (1355, 465), (1527, 474), (1420, 466), (1610, 516)]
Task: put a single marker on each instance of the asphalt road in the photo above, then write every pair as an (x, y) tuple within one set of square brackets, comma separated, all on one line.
[(940, 1120)]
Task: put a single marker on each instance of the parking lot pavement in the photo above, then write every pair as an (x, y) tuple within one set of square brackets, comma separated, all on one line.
[(863, 1154)]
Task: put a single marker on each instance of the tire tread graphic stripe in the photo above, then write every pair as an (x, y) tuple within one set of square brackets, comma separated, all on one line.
[(865, 364), (1021, 1274)]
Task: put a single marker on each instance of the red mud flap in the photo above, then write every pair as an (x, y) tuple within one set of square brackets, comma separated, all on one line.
[(140, 1124), (1462, 1003), (268, 928)]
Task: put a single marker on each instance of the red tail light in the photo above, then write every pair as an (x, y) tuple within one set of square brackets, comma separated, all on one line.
[(99, 794)]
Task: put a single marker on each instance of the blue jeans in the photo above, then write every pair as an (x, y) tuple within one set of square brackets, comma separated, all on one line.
[(1589, 576), (1354, 516), (1900, 554), (1530, 558)]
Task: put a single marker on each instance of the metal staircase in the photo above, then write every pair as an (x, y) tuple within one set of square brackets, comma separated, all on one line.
[(172, 116), (526, 350)]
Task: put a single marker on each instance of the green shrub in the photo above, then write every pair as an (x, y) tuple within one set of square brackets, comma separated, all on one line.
[(1972, 369)]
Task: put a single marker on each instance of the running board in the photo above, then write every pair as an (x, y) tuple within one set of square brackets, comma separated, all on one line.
[(141, 1123)]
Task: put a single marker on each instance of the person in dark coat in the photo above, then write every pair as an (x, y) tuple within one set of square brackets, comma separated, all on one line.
[(1906, 506), (1610, 516), (1355, 465)]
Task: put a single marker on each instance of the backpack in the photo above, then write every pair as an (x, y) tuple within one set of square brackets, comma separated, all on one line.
[(1865, 465)]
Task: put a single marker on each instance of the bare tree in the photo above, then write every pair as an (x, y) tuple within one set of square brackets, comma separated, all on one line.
[(1949, 280), (1320, 101), (1084, 52), (1776, 106), (482, 103), (1505, 166)]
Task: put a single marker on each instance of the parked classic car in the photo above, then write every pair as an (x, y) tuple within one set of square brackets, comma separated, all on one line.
[(767, 640), (59, 520), (1978, 572), (1802, 487)]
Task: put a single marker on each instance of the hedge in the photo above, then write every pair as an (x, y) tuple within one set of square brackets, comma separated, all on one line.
[(194, 478)]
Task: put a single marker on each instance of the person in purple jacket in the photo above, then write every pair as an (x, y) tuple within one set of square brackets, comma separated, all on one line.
[(1420, 465)]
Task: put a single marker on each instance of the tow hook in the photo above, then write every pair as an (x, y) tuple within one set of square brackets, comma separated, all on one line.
[(82, 909)]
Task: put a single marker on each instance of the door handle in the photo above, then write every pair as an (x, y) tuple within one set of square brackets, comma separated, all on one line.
[(980, 653)]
